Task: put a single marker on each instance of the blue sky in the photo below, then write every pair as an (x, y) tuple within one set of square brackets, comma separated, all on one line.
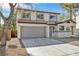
[(54, 7), (51, 7)]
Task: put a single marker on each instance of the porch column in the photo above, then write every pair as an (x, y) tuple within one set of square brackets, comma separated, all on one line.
[(18, 32), (48, 31)]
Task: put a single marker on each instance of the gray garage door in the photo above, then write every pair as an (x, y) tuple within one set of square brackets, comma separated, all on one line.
[(33, 32)]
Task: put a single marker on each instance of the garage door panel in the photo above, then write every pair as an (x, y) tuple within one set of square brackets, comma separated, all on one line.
[(30, 32)]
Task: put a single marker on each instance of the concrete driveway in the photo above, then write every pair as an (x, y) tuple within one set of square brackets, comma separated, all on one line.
[(49, 47)]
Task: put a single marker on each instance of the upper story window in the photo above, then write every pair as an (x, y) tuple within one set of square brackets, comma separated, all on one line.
[(40, 16), (26, 15), (52, 17)]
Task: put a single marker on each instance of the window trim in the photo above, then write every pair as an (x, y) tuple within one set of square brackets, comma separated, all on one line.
[(54, 17), (68, 29), (41, 16), (61, 27), (26, 16)]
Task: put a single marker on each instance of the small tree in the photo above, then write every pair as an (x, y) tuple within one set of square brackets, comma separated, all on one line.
[(12, 24), (70, 8), (7, 21)]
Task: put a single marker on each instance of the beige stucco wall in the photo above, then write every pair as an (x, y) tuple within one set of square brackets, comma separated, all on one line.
[(67, 25), (46, 18), (34, 14), (66, 33), (61, 34), (54, 34), (18, 14)]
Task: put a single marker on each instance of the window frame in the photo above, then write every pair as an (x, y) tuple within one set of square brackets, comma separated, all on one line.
[(68, 29), (62, 28), (27, 15), (53, 17), (40, 16)]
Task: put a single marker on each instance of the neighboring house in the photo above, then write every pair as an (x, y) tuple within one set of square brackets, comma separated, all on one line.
[(42, 24)]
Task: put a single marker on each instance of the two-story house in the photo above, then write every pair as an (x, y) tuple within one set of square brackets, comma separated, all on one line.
[(41, 24)]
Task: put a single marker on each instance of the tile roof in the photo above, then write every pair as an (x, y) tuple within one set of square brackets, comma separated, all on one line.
[(42, 21)]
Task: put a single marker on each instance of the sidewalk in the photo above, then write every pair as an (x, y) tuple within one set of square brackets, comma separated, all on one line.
[(73, 41), (14, 48)]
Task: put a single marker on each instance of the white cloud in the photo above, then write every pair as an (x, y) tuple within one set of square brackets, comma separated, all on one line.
[(5, 5), (5, 8)]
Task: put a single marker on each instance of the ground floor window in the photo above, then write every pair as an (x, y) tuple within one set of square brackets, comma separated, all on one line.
[(53, 29), (61, 28), (67, 28)]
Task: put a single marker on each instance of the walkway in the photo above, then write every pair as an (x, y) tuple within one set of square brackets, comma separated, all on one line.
[(13, 48)]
